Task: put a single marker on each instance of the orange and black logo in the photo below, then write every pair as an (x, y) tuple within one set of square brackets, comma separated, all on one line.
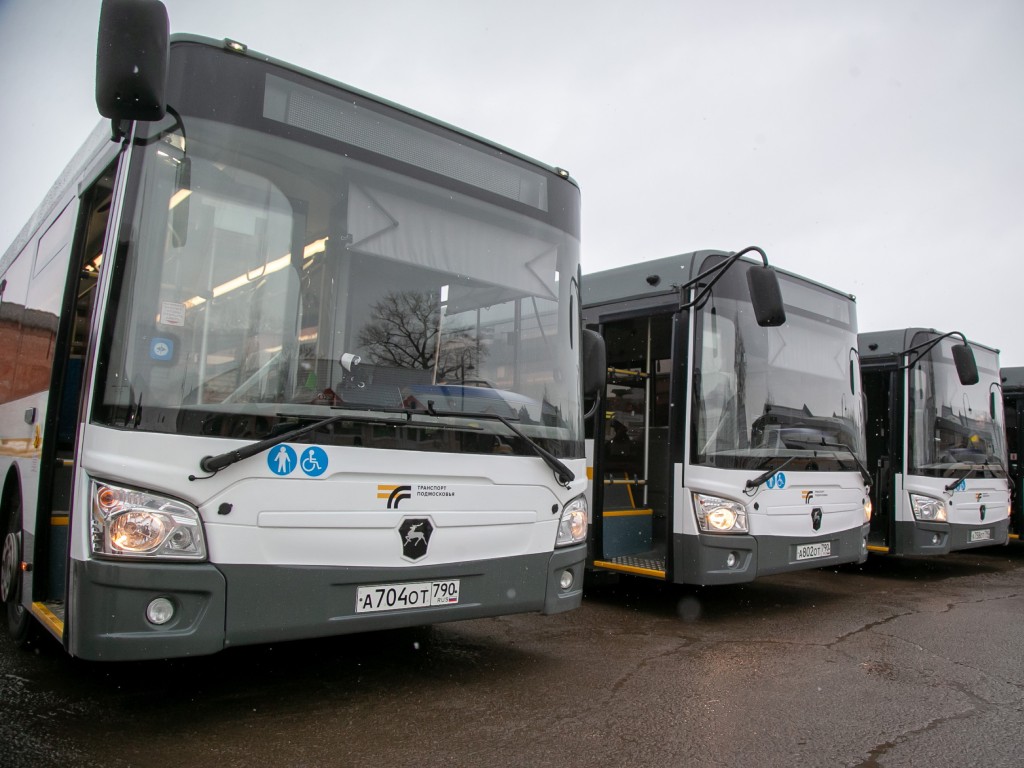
[(807, 496), (395, 494)]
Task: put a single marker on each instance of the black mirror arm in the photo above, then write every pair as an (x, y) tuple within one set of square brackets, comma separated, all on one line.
[(717, 271), (925, 347)]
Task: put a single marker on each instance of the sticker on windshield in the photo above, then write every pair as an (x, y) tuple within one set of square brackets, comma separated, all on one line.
[(314, 461), (281, 460), (778, 480)]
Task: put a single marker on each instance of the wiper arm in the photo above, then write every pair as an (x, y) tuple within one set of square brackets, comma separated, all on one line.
[(763, 477), (563, 475), (970, 471), (214, 464), (860, 466)]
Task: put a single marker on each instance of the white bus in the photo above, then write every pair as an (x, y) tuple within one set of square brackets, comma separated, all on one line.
[(936, 442), (732, 439), (283, 360)]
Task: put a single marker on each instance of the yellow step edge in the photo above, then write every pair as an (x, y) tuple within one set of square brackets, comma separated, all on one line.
[(627, 512), (630, 569), (874, 548), (48, 619)]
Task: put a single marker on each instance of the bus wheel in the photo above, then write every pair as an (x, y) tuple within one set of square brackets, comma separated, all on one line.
[(18, 619)]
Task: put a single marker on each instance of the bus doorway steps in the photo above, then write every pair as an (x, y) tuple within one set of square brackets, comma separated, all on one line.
[(650, 564)]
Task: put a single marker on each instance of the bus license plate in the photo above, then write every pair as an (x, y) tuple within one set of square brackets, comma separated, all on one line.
[(398, 597), (812, 551), (985, 534)]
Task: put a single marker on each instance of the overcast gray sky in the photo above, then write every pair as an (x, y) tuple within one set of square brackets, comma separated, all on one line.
[(876, 146)]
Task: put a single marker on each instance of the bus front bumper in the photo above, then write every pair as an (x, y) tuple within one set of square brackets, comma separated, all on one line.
[(216, 606)]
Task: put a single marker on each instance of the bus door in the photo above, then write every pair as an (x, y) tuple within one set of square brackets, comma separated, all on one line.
[(884, 446), (66, 392), (633, 497)]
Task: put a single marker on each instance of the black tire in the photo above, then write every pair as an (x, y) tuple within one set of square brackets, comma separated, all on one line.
[(19, 621)]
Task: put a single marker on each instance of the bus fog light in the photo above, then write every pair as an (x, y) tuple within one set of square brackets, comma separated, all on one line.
[(731, 560), (935, 538), (160, 611), (566, 579)]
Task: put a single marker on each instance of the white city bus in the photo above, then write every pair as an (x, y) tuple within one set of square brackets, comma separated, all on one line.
[(283, 360), (731, 444), (936, 442)]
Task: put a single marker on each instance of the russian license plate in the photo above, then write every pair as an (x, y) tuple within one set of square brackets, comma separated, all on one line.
[(812, 551), (985, 534), (397, 597)]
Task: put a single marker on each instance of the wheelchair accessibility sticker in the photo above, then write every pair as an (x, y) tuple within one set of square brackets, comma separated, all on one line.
[(778, 480), (282, 460)]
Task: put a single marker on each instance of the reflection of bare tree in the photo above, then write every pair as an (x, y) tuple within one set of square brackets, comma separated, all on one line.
[(403, 334)]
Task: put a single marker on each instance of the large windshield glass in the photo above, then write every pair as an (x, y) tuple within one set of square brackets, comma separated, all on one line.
[(955, 427), (267, 279), (763, 396)]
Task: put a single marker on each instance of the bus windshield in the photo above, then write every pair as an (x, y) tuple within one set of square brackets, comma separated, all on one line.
[(955, 428), (270, 276), (763, 396)]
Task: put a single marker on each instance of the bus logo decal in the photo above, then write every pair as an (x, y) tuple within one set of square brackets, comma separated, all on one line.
[(816, 518), (394, 494), (415, 534), (807, 496)]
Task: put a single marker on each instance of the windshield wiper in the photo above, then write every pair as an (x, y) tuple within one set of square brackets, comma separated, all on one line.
[(860, 466), (763, 478), (214, 464), (970, 471), (563, 475)]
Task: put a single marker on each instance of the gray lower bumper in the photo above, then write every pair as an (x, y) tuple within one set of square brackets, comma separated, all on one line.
[(926, 538), (705, 559), (218, 606)]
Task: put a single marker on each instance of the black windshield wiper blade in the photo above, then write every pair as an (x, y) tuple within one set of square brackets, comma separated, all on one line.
[(856, 460), (763, 477), (214, 464), (563, 475), (970, 471)]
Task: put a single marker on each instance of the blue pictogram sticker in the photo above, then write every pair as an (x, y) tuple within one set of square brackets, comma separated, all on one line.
[(314, 461), (778, 480), (161, 349), (962, 485), (281, 459)]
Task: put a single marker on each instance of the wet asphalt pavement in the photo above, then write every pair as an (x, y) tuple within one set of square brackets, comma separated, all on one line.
[(895, 663)]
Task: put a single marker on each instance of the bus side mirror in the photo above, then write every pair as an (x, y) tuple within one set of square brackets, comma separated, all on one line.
[(595, 365), (766, 296), (131, 59), (966, 367)]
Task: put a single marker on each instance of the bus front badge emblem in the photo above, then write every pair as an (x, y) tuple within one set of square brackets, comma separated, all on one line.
[(415, 533), (816, 518)]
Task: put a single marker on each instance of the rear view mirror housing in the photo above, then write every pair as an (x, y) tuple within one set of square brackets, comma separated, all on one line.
[(966, 366), (766, 296), (595, 365), (131, 59)]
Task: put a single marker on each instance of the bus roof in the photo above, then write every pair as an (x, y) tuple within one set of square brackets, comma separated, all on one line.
[(635, 281), (874, 345), (1012, 379)]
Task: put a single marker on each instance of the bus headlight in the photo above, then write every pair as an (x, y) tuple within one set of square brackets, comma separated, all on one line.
[(130, 523), (572, 528), (718, 515), (927, 508), (868, 509)]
